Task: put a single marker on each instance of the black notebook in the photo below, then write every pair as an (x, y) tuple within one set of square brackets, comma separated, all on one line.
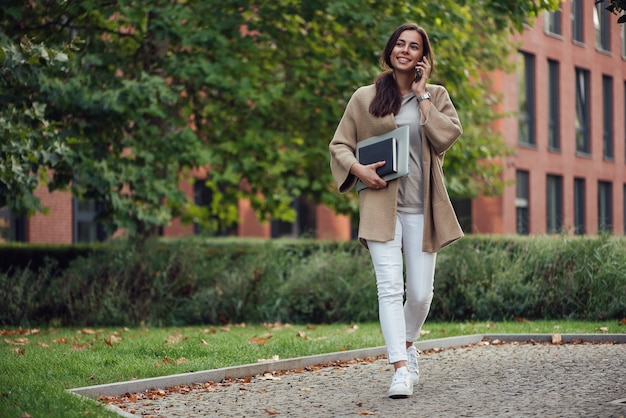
[(391, 147), (385, 150)]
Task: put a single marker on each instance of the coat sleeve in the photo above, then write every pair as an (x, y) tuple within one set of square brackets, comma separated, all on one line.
[(441, 124), (343, 149)]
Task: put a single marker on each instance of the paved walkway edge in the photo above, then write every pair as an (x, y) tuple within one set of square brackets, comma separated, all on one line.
[(217, 375)]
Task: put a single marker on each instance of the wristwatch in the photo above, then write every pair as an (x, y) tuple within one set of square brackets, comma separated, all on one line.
[(425, 96)]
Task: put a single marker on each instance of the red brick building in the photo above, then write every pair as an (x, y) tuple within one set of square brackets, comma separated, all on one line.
[(567, 174)]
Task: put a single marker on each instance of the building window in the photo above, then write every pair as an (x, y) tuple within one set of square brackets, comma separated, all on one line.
[(521, 202), (12, 227), (86, 228), (554, 132), (211, 225), (305, 224), (554, 204), (607, 107), (577, 21), (579, 206), (605, 206), (526, 98), (582, 112), (601, 24), (552, 22)]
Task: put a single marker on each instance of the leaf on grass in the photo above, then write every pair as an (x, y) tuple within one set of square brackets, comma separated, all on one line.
[(43, 345), (225, 329), (25, 415), (181, 360), (302, 335), (209, 330), (19, 351), (60, 341), (176, 338), (424, 332), (275, 357), (352, 329), (17, 341), (260, 340), (79, 347), (603, 330), (622, 321), (88, 331), (204, 342)]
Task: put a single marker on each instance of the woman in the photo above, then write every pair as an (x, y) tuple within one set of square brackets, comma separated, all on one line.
[(411, 216)]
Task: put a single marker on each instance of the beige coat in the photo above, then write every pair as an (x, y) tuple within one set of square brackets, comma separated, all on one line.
[(440, 129)]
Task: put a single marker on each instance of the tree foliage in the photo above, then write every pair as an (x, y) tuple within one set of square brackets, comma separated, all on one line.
[(253, 90), (616, 7)]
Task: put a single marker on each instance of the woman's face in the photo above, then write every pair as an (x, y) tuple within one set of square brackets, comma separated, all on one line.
[(408, 51)]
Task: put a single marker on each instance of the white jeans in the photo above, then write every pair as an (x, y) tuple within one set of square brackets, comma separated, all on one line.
[(402, 322)]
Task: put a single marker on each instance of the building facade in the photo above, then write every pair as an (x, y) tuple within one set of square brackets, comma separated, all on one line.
[(567, 174), (568, 98)]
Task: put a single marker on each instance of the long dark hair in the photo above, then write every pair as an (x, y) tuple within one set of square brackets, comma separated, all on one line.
[(387, 99)]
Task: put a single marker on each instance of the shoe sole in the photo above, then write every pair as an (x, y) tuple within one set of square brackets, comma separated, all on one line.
[(399, 396)]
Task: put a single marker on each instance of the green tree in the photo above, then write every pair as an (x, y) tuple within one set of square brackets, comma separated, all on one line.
[(616, 7), (252, 89)]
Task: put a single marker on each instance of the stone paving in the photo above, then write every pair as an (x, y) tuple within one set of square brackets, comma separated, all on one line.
[(486, 379)]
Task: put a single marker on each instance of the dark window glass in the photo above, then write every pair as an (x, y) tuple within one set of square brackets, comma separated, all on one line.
[(607, 110), (526, 98), (305, 224), (577, 20), (605, 206), (521, 202), (601, 24), (554, 132), (554, 204), (86, 228), (579, 206), (552, 22), (582, 111)]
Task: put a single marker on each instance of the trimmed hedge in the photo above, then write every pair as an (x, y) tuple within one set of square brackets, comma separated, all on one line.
[(199, 281)]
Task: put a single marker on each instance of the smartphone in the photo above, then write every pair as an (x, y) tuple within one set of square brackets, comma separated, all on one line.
[(418, 73)]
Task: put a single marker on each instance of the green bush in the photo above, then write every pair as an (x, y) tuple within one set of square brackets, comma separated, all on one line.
[(219, 281)]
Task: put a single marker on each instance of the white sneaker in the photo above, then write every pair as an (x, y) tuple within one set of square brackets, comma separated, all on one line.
[(401, 385), (414, 369)]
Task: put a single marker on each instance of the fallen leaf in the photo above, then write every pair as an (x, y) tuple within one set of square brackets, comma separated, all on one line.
[(60, 341), (17, 341), (301, 334), (259, 340), (352, 329), (25, 415), (19, 351), (622, 321), (367, 413), (556, 339), (88, 331), (204, 342), (269, 376), (181, 360), (424, 332), (268, 412)]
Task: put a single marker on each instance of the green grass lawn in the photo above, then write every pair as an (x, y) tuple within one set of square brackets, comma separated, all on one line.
[(38, 365)]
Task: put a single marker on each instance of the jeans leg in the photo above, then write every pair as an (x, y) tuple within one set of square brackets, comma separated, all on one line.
[(388, 267), (420, 274)]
